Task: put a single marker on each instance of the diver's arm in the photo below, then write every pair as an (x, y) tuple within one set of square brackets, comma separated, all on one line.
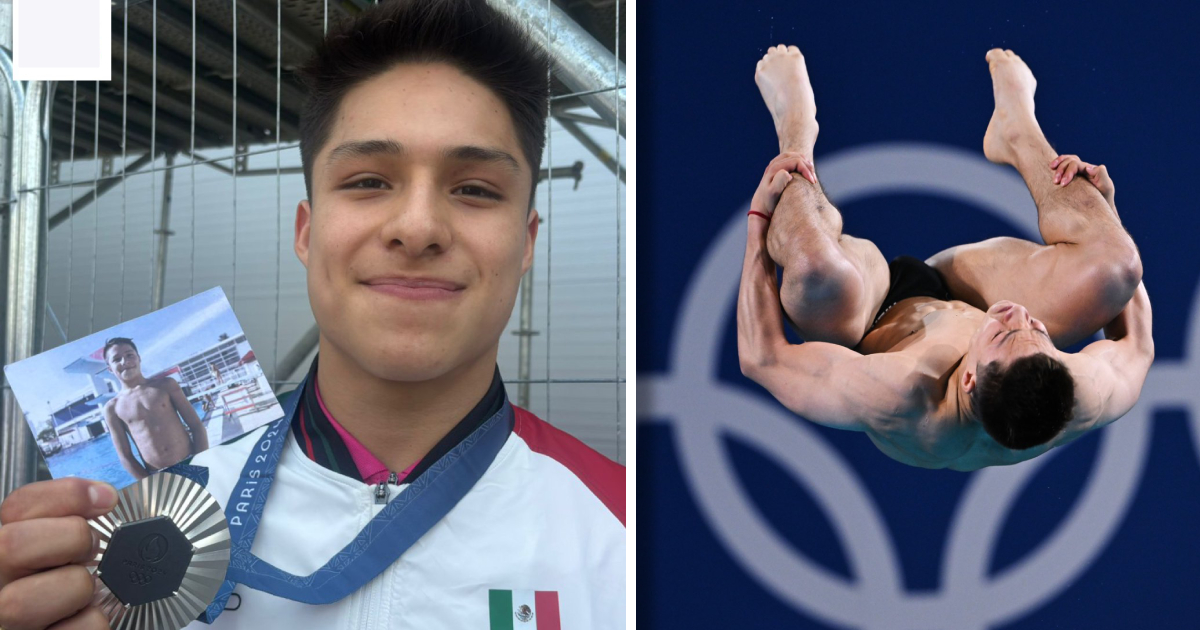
[(190, 418), (120, 438), (1120, 361), (826, 383), (759, 322)]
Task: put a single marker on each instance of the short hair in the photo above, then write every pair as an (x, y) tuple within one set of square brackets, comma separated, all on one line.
[(1026, 404), (467, 34), (114, 341)]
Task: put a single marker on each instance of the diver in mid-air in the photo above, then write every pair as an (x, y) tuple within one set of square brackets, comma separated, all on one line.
[(951, 362)]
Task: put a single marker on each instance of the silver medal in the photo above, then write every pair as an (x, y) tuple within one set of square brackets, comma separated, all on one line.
[(164, 550)]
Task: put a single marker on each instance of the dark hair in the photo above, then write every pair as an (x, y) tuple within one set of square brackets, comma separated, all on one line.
[(467, 34), (1027, 403), (114, 341)]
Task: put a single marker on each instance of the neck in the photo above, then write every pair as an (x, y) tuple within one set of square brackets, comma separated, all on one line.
[(399, 421)]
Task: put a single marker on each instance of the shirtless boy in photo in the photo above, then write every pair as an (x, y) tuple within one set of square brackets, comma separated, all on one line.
[(949, 362), (149, 410)]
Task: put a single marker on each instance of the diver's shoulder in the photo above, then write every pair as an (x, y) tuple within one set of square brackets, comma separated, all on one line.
[(111, 404), (163, 382)]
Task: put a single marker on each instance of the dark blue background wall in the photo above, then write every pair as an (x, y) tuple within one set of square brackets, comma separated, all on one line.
[(1117, 84)]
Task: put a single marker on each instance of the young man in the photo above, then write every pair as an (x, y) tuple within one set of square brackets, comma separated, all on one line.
[(937, 382), (149, 411), (403, 490)]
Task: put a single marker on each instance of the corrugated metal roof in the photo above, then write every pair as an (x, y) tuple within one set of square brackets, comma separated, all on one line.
[(125, 102)]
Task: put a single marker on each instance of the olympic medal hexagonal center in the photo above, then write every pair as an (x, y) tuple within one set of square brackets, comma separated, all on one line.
[(145, 560)]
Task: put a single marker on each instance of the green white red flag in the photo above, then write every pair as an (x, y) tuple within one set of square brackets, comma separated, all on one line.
[(523, 610)]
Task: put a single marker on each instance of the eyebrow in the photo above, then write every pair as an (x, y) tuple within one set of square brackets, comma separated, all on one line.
[(469, 153), (465, 153), (364, 148)]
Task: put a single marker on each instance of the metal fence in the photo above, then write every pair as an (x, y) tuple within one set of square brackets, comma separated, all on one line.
[(183, 173)]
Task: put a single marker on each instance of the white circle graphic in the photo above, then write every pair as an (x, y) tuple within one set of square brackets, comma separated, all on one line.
[(702, 410)]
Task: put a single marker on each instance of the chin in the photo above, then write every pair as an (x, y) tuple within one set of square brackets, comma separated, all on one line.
[(407, 371), (411, 361), (400, 348)]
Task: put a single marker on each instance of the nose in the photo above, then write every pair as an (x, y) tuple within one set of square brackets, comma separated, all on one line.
[(1016, 314), (417, 221)]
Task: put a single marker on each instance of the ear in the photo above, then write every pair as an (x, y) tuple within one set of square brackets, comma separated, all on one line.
[(303, 224), (531, 228), (968, 380)]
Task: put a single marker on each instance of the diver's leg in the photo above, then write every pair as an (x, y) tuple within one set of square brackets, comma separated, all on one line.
[(833, 284), (1089, 267)]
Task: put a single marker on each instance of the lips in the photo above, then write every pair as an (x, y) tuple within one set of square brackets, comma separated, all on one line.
[(416, 288)]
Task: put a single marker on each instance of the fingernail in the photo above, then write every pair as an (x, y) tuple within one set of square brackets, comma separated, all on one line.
[(102, 495)]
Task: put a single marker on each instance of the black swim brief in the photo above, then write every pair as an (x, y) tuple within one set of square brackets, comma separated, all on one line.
[(911, 277)]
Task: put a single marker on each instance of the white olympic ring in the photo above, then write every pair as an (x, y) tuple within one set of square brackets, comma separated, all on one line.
[(702, 410)]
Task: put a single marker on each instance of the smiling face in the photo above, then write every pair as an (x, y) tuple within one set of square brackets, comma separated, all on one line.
[(123, 361), (418, 232), (1007, 333)]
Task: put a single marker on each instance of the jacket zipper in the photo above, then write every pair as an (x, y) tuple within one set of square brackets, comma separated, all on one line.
[(381, 490)]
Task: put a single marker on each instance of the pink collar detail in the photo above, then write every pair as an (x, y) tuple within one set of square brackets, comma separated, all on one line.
[(370, 468)]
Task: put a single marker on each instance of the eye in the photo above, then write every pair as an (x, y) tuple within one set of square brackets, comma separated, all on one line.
[(370, 183), (472, 190)]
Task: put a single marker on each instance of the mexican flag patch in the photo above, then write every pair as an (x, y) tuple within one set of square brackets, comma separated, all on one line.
[(523, 610)]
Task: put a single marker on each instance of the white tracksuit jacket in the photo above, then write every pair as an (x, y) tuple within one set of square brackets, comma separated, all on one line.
[(547, 515)]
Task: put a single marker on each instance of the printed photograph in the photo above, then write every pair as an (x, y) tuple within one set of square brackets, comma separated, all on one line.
[(126, 402)]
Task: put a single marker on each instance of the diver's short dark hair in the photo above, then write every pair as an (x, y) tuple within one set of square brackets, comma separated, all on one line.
[(1026, 404), (116, 340), (467, 34)]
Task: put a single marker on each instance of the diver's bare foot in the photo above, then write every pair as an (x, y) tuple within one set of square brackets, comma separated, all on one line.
[(1013, 86), (782, 79)]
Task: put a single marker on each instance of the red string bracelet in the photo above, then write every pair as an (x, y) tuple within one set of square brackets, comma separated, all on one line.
[(759, 214)]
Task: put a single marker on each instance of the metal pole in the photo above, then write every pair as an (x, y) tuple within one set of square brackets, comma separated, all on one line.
[(583, 63), (12, 97), (6, 26), (164, 232), (526, 333), (27, 235)]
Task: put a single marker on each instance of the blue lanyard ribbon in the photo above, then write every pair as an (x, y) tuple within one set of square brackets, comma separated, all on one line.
[(385, 538)]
